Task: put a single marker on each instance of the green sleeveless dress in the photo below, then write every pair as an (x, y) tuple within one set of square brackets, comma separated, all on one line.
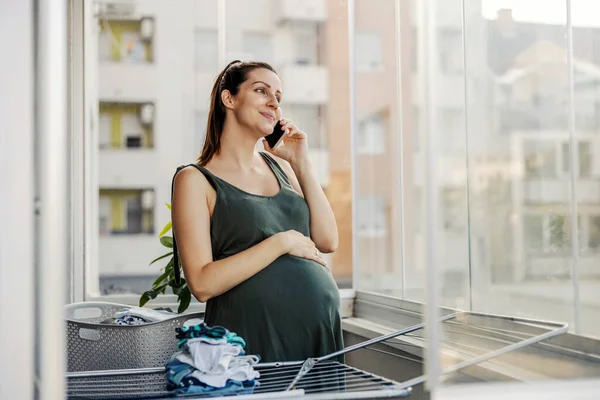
[(289, 310)]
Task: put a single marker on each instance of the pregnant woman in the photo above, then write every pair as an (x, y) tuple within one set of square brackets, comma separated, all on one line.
[(251, 226)]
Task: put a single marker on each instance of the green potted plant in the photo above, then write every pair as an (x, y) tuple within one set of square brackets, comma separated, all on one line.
[(167, 277)]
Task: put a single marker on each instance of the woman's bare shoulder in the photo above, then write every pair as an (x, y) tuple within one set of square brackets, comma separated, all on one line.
[(191, 179)]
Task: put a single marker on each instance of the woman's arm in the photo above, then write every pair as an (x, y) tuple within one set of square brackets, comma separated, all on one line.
[(191, 225), (323, 227)]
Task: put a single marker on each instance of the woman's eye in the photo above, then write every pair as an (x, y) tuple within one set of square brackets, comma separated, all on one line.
[(261, 90)]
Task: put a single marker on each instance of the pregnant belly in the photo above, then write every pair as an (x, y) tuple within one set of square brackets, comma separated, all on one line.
[(289, 283)]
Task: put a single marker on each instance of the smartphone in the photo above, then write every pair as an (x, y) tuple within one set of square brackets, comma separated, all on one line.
[(275, 138)]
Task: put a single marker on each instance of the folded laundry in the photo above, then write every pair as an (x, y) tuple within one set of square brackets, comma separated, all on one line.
[(242, 373), (211, 361), (178, 371), (191, 385), (188, 332), (218, 333), (147, 314), (209, 358)]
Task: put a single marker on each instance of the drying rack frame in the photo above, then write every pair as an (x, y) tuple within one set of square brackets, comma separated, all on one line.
[(294, 383)]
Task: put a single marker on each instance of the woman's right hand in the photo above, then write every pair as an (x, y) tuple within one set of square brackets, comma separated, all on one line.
[(296, 244)]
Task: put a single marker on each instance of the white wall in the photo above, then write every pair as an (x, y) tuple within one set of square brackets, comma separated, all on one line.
[(17, 291)]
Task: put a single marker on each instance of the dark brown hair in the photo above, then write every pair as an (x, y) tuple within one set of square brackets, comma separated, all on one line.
[(232, 76)]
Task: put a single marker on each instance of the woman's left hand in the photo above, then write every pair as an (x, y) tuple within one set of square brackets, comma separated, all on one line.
[(295, 143)]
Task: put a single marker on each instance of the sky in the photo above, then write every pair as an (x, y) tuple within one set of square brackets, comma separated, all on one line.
[(583, 12)]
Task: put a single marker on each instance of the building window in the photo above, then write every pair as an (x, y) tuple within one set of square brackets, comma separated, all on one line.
[(369, 54), (371, 216), (126, 212), (585, 159), (451, 51), (454, 209), (258, 46), (104, 130), (533, 227), (539, 159), (134, 142), (124, 125), (559, 234), (206, 50), (452, 128), (371, 135), (126, 41), (306, 43), (593, 240), (551, 233), (104, 212)]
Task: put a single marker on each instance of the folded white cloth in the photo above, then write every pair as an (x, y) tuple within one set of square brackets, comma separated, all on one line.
[(208, 358), (193, 321), (240, 373), (146, 313), (207, 340)]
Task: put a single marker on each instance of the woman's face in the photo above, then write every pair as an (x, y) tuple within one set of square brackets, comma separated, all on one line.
[(257, 103)]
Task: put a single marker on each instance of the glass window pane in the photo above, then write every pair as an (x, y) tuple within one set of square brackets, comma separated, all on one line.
[(539, 159), (594, 232), (377, 144), (450, 57), (533, 225), (585, 159), (308, 118), (370, 135), (306, 44), (206, 42), (368, 50), (258, 46), (199, 132)]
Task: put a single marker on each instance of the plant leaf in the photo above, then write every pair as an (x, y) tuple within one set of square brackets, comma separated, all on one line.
[(169, 266), (167, 241), (151, 294), (185, 298), (168, 205), (159, 289), (159, 280), (166, 228), (161, 257), (144, 298)]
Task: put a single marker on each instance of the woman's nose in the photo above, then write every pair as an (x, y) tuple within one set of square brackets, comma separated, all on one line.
[(273, 103)]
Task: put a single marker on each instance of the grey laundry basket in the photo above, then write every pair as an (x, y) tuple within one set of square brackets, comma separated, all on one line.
[(92, 346)]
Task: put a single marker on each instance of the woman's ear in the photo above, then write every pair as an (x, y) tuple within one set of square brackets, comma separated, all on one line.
[(227, 99)]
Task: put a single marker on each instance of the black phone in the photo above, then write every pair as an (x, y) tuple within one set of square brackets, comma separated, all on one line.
[(274, 138)]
